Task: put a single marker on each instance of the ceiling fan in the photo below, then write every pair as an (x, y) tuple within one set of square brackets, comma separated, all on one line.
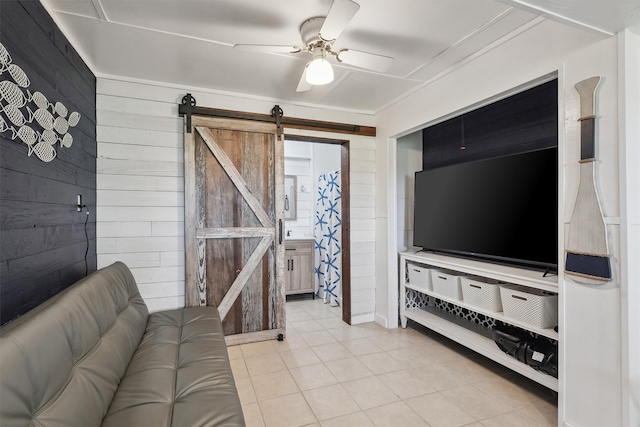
[(318, 36)]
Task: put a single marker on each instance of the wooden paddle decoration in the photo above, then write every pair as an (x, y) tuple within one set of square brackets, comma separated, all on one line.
[(587, 249)]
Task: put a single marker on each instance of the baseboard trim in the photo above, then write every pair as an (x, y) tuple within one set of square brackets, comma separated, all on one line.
[(381, 320), (362, 318)]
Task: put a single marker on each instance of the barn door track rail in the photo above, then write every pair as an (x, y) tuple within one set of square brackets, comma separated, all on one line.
[(188, 108)]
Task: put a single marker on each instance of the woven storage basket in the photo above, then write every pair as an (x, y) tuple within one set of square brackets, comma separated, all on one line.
[(529, 305), (446, 284), (481, 292), (419, 276)]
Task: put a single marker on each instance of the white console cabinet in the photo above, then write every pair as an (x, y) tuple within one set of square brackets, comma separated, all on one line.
[(468, 324)]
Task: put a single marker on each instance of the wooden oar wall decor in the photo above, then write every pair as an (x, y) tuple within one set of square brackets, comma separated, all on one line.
[(587, 250)]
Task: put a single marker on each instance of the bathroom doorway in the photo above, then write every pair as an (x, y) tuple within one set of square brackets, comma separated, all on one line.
[(306, 160)]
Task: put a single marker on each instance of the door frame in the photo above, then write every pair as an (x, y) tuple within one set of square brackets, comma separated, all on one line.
[(346, 214)]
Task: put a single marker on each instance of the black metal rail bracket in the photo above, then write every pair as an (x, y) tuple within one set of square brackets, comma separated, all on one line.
[(276, 113), (188, 103)]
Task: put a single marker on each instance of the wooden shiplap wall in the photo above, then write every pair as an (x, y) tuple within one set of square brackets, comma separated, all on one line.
[(140, 183), (362, 168), (140, 192), (43, 236)]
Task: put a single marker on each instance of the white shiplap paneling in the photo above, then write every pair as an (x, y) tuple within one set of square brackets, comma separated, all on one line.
[(140, 152), (124, 229), (140, 194), (126, 213), (363, 237), (140, 198), (140, 183), (121, 135), (134, 167), (133, 260), (120, 245)]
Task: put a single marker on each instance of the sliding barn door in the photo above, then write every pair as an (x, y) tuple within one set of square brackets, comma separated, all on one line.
[(234, 192)]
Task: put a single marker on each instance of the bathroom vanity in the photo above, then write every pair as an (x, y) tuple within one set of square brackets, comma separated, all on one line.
[(299, 266)]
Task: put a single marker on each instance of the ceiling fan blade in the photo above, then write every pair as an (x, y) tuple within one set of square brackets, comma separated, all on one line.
[(267, 48), (367, 60), (340, 14), (303, 84)]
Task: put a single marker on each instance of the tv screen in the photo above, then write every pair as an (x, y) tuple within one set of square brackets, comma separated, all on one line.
[(502, 209)]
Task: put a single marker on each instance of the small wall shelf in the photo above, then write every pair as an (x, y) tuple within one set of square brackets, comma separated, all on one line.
[(414, 305)]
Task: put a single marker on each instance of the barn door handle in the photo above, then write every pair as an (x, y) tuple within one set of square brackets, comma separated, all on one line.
[(280, 232)]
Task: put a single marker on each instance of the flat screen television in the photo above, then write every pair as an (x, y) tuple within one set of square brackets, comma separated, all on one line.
[(502, 209)]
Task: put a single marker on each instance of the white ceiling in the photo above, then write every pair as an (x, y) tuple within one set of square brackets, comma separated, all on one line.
[(190, 42)]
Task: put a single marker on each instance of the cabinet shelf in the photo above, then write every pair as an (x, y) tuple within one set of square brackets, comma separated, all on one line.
[(503, 273), (550, 333), (417, 305)]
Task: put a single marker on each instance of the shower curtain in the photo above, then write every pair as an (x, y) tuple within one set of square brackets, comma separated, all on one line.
[(328, 238)]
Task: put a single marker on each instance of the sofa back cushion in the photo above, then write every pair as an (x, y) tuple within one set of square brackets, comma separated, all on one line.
[(61, 363)]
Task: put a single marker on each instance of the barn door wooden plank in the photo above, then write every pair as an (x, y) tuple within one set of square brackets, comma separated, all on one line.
[(200, 212), (244, 275), (235, 176), (222, 202), (195, 291), (233, 232), (260, 285)]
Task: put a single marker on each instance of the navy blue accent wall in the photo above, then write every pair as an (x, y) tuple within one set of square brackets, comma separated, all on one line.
[(526, 121), (43, 238)]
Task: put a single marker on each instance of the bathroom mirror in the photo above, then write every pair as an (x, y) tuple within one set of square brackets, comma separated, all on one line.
[(290, 205)]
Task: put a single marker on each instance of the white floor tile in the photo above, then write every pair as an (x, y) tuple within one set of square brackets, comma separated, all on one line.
[(327, 373)]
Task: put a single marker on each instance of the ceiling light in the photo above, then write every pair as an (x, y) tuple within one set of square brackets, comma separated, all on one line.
[(319, 70)]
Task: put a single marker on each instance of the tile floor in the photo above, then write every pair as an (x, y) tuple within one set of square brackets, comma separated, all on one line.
[(327, 373)]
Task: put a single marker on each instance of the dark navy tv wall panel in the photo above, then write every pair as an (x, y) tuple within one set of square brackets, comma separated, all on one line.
[(43, 236), (526, 121)]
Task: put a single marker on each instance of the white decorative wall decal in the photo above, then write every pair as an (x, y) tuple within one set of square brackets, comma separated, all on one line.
[(18, 117), (61, 109), (74, 118), (12, 93), (26, 134), (39, 99), (5, 58), (18, 75)]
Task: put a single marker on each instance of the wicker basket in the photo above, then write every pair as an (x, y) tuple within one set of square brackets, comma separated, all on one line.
[(529, 305), (419, 276), (481, 292), (446, 284)]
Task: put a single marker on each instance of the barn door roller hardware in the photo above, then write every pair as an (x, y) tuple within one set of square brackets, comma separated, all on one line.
[(188, 107)]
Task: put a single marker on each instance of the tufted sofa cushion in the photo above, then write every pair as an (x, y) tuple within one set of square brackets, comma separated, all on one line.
[(60, 364), (180, 375)]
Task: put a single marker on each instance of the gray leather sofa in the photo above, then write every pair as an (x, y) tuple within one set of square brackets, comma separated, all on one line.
[(94, 356)]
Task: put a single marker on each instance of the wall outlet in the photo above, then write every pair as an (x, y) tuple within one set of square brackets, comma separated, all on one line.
[(79, 203)]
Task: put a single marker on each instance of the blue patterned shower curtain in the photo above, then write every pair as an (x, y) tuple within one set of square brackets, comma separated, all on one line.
[(328, 238)]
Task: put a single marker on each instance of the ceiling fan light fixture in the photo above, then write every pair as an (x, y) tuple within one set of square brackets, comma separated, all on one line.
[(319, 70)]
